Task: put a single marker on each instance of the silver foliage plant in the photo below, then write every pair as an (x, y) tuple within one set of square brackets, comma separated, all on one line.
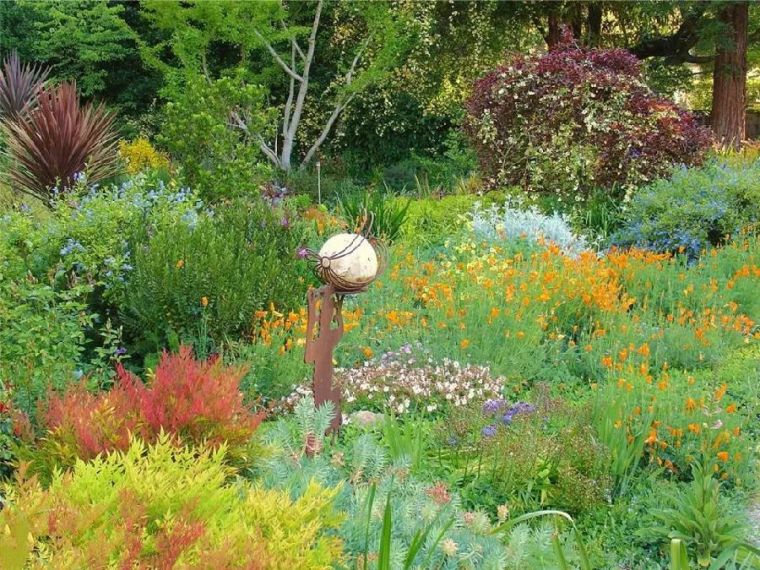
[(510, 223)]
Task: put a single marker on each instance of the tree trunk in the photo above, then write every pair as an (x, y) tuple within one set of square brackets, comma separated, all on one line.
[(554, 37), (730, 77), (594, 23)]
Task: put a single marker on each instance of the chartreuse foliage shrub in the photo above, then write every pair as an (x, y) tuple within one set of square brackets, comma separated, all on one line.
[(694, 209), (192, 401), (163, 506), (574, 119)]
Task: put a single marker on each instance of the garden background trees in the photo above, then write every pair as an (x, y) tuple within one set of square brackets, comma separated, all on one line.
[(370, 85)]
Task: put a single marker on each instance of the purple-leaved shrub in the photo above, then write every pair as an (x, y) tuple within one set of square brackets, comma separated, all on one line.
[(574, 119)]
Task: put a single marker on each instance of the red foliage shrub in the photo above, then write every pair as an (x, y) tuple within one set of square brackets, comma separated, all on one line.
[(576, 119), (193, 400)]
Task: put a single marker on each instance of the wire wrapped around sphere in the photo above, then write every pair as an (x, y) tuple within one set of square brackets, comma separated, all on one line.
[(333, 267)]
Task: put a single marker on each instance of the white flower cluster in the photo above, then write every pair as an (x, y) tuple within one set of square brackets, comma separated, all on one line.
[(399, 386), (507, 223)]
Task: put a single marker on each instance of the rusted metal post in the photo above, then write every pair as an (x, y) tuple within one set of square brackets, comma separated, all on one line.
[(324, 315)]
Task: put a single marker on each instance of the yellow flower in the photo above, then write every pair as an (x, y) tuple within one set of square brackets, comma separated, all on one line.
[(367, 351), (180, 263), (723, 456), (464, 344), (204, 301)]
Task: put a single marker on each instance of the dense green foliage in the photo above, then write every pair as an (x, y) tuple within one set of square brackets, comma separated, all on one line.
[(208, 276)]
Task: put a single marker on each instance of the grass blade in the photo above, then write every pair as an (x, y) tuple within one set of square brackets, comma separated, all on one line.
[(384, 554), (370, 502)]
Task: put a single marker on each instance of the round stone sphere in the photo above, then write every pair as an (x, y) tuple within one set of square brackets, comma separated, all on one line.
[(358, 267)]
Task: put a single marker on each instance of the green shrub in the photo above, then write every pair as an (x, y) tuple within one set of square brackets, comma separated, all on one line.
[(433, 220), (694, 209), (41, 335), (207, 277), (164, 507), (216, 157)]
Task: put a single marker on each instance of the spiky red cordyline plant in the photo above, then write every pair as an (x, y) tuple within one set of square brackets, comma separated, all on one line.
[(19, 85), (58, 139)]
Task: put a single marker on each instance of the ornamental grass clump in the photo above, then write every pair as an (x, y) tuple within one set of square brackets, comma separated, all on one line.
[(573, 119), (19, 86)]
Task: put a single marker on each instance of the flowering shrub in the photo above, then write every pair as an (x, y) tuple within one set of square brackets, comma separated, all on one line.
[(574, 119), (397, 382), (192, 401), (694, 209), (510, 224), (140, 155), (160, 506)]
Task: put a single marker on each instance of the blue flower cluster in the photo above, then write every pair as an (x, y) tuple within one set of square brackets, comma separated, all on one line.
[(694, 209), (505, 413), (70, 247)]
